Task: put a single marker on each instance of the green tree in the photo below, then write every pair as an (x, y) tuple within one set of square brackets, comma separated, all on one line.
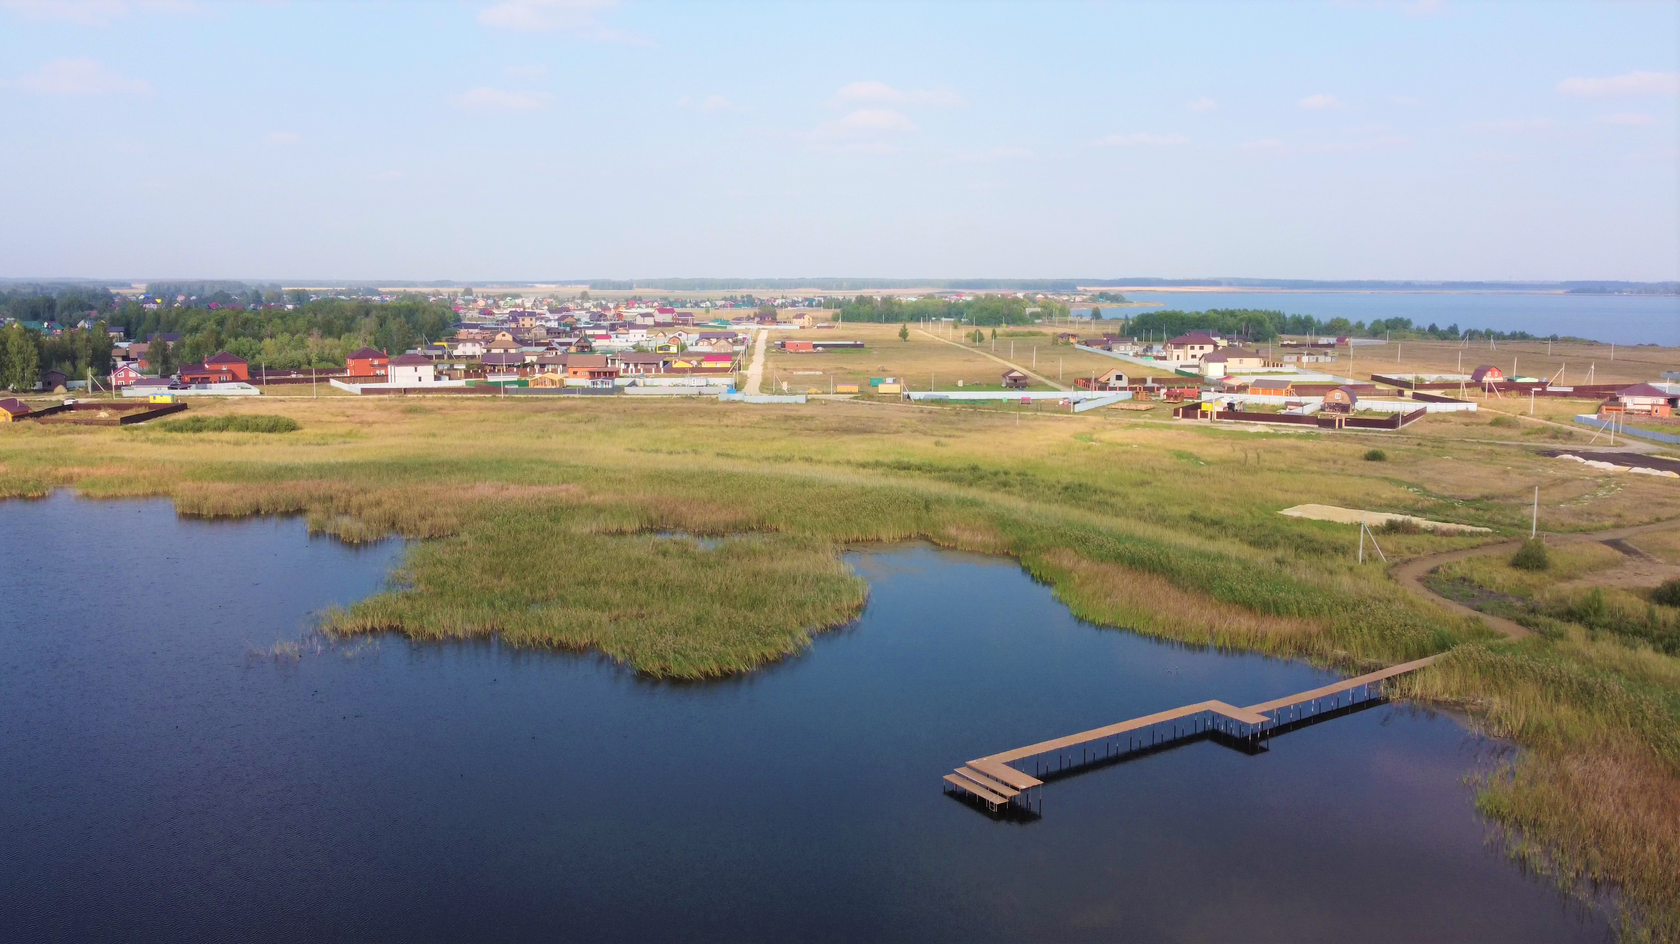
[(23, 359), (904, 332), (160, 357), (1096, 313)]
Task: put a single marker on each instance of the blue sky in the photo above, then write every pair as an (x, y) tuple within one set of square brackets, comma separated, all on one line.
[(537, 140)]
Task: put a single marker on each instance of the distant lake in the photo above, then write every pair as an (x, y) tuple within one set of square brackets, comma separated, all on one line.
[(1622, 319), (164, 781)]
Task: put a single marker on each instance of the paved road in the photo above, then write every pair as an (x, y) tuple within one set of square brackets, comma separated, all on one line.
[(755, 370), (1411, 573)]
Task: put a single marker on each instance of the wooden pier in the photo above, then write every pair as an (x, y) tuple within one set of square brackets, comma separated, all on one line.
[(995, 783)]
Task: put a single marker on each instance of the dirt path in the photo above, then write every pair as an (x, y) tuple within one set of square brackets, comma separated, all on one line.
[(755, 370), (1410, 574), (1036, 376)]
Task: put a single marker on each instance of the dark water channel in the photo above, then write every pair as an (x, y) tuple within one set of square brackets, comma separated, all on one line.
[(158, 782)]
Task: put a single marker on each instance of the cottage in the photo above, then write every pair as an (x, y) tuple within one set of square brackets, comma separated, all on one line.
[(221, 367), (1014, 380), (1641, 400), (411, 370), (125, 375), (1271, 388), (12, 410), (1191, 347), (53, 380), (1230, 361), (590, 370), (366, 363), (1340, 400), (1487, 374), (636, 363), (471, 347)]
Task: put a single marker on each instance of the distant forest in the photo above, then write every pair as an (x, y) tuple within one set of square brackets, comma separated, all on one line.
[(317, 333), (986, 310), (1265, 325)]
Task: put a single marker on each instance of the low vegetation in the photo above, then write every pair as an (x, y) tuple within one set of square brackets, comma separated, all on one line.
[(231, 423), (1532, 556), (547, 525)]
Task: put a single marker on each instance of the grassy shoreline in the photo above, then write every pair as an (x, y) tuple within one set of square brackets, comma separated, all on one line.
[(541, 520)]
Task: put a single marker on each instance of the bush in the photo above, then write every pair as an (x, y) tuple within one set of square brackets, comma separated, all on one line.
[(232, 423), (1376, 455), (1533, 556), (1400, 526), (1504, 421), (1668, 593)]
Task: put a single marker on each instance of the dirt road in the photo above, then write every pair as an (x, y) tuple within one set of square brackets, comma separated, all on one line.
[(1410, 573)]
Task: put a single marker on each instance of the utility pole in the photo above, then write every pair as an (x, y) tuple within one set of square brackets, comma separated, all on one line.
[(1534, 525)]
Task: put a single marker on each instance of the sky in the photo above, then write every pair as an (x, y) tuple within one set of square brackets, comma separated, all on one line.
[(558, 139)]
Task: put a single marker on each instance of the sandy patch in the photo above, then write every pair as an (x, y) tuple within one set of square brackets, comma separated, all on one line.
[(1375, 519)]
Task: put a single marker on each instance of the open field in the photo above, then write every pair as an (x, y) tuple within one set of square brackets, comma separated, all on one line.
[(563, 523), (927, 358)]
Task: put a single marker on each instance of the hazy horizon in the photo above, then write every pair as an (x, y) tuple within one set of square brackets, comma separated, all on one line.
[(481, 142)]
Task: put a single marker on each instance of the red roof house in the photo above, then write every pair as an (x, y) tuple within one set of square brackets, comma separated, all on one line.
[(367, 363), (221, 367)]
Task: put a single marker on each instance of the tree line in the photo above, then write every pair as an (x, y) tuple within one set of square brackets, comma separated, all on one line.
[(1265, 325), (985, 310), (318, 333)]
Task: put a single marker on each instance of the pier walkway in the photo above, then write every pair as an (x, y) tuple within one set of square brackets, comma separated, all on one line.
[(995, 782)]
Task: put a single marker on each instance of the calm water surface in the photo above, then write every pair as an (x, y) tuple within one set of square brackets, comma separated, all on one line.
[(163, 784), (1622, 319)]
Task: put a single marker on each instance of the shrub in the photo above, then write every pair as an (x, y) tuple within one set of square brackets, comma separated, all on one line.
[(1668, 593), (232, 423), (1504, 421), (1400, 526), (1533, 556), (1376, 455)]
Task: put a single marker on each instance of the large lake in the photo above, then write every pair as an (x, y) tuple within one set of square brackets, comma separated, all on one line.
[(162, 783), (1622, 319)]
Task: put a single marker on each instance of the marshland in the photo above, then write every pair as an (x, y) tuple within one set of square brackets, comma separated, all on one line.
[(536, 527)]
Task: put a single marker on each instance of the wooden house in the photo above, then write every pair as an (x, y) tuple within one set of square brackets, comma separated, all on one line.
[(12, 410), (1014, 380), (1340, 400), (1487, 374)]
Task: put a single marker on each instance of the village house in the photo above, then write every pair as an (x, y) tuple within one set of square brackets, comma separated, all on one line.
[(470, 347), (54, 380), (1191, 347), (1229, 361), (12, 410), (590, 370), (220, 367), (1487, 374), (125, 375), (1271, 388), (1014, 380), (1340, 400), (639, 364), (1640, 400), (411, 370), (366, 363)]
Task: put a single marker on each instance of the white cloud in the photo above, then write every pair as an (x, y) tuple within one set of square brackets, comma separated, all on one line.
[(283, 137), (865, 123), (1143, 138), (91, 12), (1518, 126), (1202, 104), (1626, 118), (79, 77), (872, 91), (527, 72), (493, 99), (710, 104), (1319, 101), (541, 16), (993, 154), (1632, 83)]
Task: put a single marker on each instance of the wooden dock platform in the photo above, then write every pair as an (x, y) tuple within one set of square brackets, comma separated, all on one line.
[(993, 781)]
